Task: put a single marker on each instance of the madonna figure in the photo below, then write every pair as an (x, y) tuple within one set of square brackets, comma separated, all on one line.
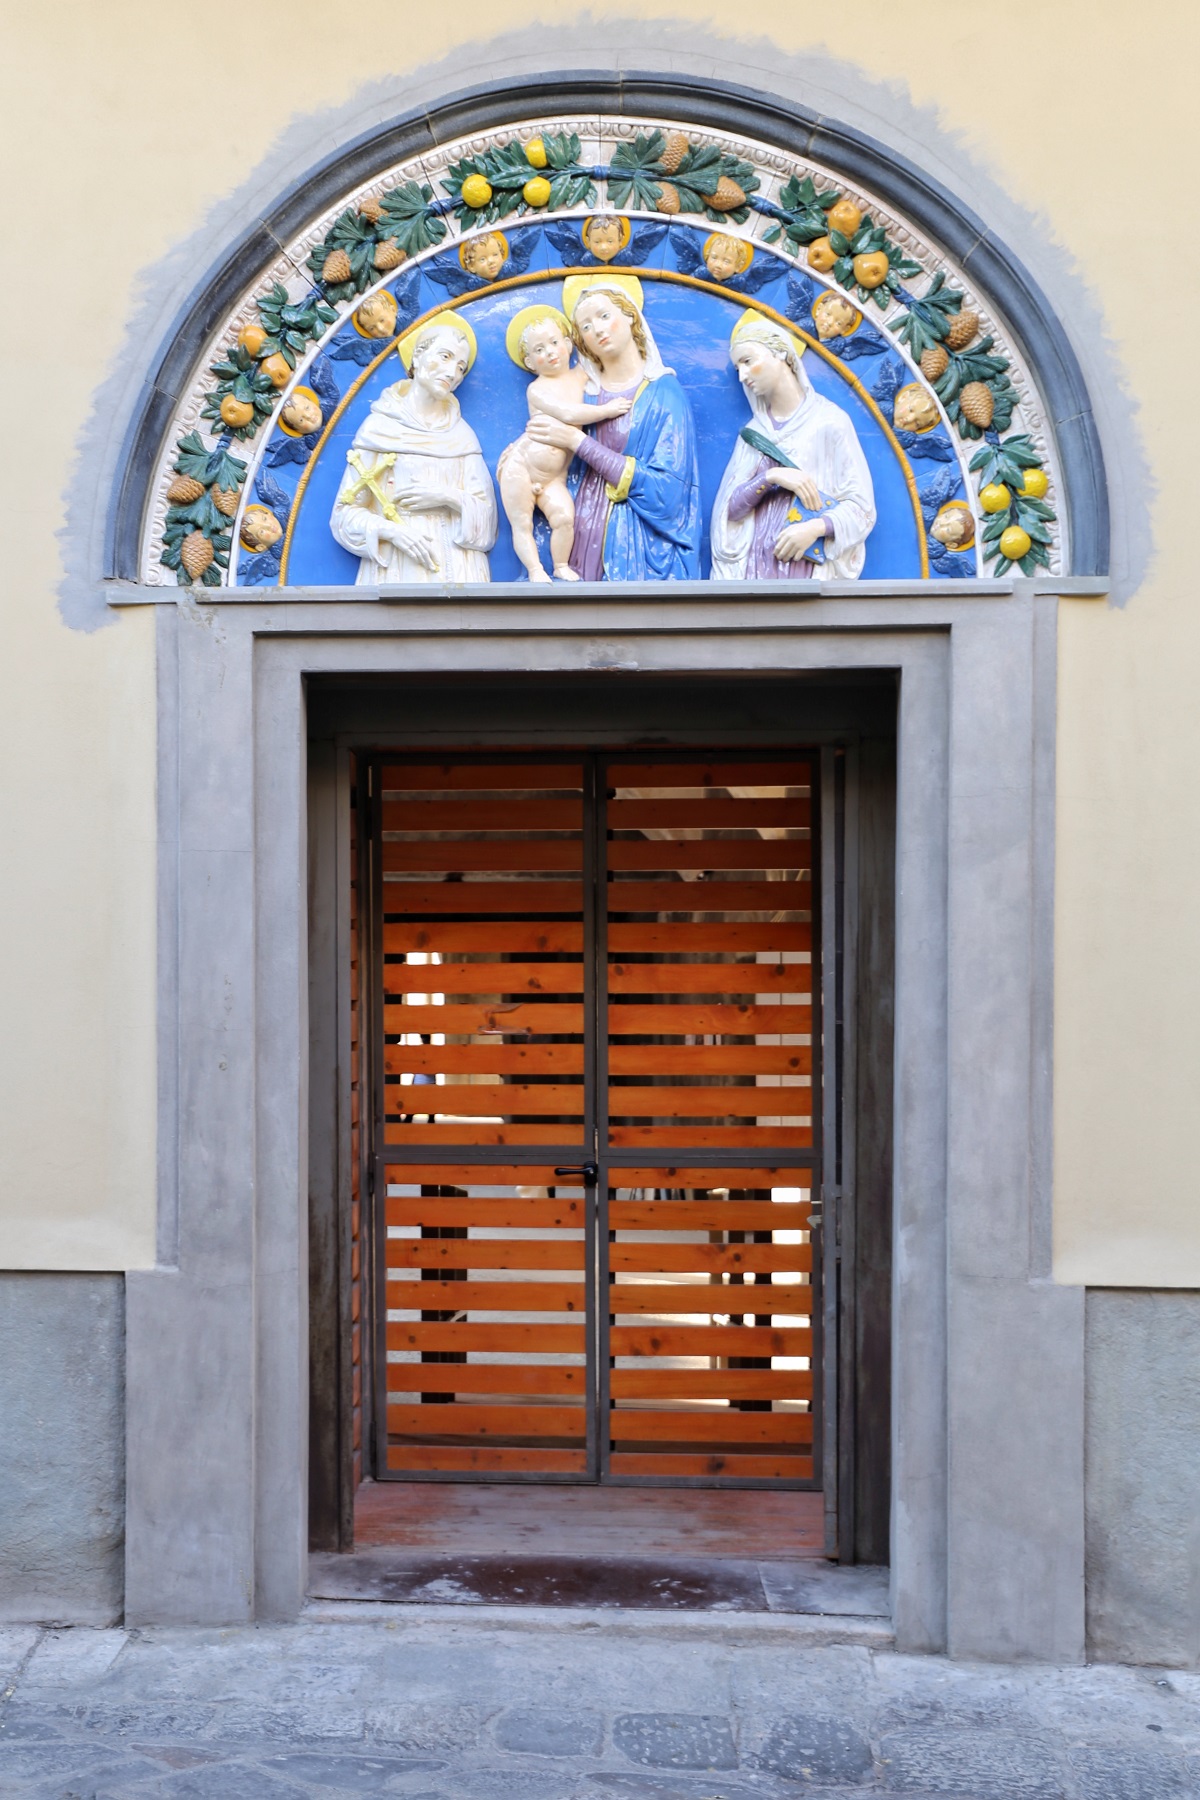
[(806, 451), (637, 506)]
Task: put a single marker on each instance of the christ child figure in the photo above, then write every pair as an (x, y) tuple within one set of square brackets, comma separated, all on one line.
[(534, 475)]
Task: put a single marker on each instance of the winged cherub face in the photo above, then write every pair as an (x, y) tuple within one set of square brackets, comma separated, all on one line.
[(260, 528), (484, 256), (723, 256), (302, 413)]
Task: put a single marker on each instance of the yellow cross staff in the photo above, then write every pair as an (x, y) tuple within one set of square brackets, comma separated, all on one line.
[(370, 478)]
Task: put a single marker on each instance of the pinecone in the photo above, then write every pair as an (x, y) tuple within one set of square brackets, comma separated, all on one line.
[(337, 268), (962, 329), (726, 197), (388, 255), (677, 148), (225, 500), (195, 553), (977, 403), (668, 200), (184, 489), (371, 211), (934, 361)]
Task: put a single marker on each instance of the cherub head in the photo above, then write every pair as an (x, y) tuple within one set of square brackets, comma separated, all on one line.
[(725, 256), (376, 317), (260, 529), (914, 409), (302, 413), (605, 235), (834, 316), (954, 526), (484, 256), (546, 346)]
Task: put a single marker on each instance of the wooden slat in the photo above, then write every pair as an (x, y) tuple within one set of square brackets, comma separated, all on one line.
[(459, 1419), (675, 853), (493, 1296), (683, 1298), (711, 772), (467, 777), (710, 1137), (558, 1099), (676, 1175), (707, 1215), (697, 1340), (679, 1102), (429, 858), (449, 1134), (703, 1059), (507, 1378), (524, 897), (632, 1424), (512, 813), (508, 1017), (739, 1019), (704, 1384), (687, 939), (711, 1464), (541, 979), (665, 978), (467, 1174), (711, 1259), (453, 936), (514, 1059), (490, 1215), (483, 1459), (709, 896), (715, 814), (456, 1337), (495, 1253)]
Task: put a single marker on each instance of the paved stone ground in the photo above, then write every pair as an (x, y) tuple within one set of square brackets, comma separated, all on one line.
[(433, 1704)]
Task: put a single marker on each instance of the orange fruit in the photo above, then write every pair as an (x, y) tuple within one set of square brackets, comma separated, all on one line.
[(278, 369), (995, 497), (251, 339), (821, 255), (535, 153), (845, 217), (236, 413), (1014, 543), (871, 268), (536, 191), (1035, 484), (476, 192)]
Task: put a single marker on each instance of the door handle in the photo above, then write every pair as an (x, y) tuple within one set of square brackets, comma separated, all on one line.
[(589, 1171)]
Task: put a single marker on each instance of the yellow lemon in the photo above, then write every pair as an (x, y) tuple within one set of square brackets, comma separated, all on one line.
[(236, 413), (821, 255), (995, 497), (278, 369), (871, 268), (1035, 484), (1014, 543), (535, 153), (536, 191), (251, 338), (844, 216), (476, 192)]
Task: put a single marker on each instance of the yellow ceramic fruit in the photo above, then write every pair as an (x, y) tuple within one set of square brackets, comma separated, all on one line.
[(995, 497), (821, 255), (251, 339), (871, 268), (536, 191), (1014, 543), (236, 413), (476, 192), (844, 217), (1035, 484), (277, 369), (535, 153)]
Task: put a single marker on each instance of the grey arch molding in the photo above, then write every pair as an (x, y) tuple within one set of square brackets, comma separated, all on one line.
[(786, 124)]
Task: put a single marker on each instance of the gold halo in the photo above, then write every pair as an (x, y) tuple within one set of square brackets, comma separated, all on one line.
[(745, 250), (290, 430), (443, 321), (834, 294), (576, 286), (958, 506), (379, 293), (520, 322), (622, 221), (752, 315), (478, 238)]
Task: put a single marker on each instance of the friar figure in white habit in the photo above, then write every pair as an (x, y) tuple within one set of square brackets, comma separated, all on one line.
[(417, 503), (796, 498)]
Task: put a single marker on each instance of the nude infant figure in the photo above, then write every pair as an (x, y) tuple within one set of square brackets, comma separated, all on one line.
[(534, 475)]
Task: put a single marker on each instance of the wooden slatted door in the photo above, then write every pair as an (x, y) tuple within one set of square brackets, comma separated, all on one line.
[(594, 962)]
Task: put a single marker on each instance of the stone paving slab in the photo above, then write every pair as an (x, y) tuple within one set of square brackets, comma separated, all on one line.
[(438, 1704)]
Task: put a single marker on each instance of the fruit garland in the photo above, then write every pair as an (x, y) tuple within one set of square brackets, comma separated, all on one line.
[(203, 499), (842, 240), (509, 179)]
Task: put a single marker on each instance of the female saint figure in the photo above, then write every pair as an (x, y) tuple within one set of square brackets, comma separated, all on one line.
[(803, 448), (637, 507), (418, 503)]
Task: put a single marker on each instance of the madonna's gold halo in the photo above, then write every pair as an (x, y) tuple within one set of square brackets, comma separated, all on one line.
[(576, 286), (520, 322), (745, 250), (443, 321), (753, 317)]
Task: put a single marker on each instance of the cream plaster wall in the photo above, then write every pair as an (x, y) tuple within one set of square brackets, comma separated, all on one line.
[(127, 125)]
